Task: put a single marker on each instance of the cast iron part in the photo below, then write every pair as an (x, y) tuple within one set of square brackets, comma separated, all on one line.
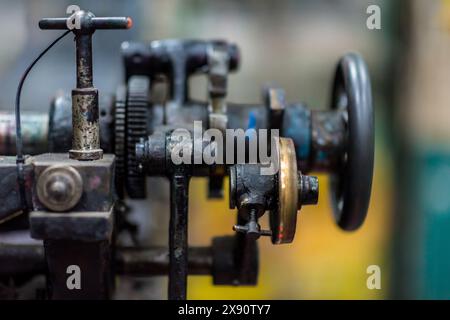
[(85, 110), (351, 184), (253, 194), (176, 59), (133, 114), (154, 156)]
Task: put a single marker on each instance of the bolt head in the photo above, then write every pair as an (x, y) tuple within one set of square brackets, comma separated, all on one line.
[(59, 188)]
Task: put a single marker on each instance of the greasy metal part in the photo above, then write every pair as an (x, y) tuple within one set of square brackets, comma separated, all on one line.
[(83, 43), (11, 204), (85, 113), (283, 220), (155, 261), (308, 190), (97, 177), (34, 131), (59, 187), (79, 240), (282, 194), (154, 153), (296, 124), (60, 123), (178, 235), (77, 226), (252, 190), (328, 140), (85, 110), (151, 154), (85, 124)]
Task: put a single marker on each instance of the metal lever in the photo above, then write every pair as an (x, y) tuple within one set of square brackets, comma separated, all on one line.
[(86, 21), (85, 110), (252, 229)]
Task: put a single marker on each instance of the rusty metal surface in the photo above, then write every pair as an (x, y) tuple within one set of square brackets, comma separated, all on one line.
[(60, 124), (85, 124)]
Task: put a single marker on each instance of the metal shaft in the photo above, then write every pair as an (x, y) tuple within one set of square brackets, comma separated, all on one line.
[(84, 60), (85, 110), (178, 236)]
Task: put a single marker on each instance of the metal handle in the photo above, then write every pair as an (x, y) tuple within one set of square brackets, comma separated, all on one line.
[(83, 20)]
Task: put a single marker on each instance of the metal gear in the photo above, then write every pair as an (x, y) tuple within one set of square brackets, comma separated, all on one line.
[(120, 138), (132, 105), (136, 120)]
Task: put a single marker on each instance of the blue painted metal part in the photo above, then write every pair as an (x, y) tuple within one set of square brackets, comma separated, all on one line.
[(297, 126)]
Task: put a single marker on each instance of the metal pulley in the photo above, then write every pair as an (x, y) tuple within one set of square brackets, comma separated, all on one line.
[(351, 183)]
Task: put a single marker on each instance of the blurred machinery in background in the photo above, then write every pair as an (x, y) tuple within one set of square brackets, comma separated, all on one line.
[(91, 153)]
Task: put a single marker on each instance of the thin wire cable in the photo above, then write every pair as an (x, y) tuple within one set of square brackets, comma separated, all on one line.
[(19, 141)]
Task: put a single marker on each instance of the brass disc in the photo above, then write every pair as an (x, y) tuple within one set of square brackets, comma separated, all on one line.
[(283, 220)]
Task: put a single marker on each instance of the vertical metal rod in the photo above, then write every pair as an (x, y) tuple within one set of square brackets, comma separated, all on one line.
[(178, 236), (85, 110), (84, 60)]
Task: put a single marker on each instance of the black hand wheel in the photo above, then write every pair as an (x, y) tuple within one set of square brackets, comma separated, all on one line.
[(351, 185)]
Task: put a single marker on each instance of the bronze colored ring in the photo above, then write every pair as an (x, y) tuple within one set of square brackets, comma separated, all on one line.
[(283, 220)]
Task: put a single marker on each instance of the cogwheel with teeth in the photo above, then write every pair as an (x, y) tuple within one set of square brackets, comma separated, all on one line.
[(131, 124)]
